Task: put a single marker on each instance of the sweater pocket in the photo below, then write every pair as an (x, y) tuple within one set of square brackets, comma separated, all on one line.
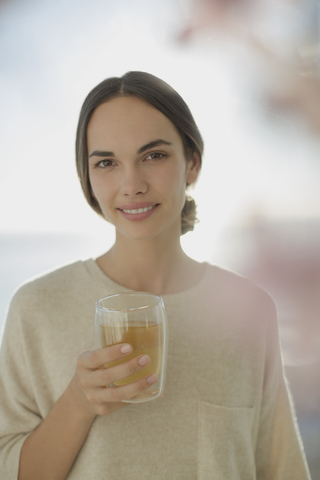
[(225, 443)]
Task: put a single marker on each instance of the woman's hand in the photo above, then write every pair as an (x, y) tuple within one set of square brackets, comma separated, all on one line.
[(88, 385)]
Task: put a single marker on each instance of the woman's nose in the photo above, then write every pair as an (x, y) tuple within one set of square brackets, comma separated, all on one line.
[(133, 182)]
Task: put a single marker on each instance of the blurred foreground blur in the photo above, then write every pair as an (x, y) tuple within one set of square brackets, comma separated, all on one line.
[(281, 40), (283, 257)]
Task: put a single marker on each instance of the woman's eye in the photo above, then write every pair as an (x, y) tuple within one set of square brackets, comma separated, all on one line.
[(105, 163), (155, 156)]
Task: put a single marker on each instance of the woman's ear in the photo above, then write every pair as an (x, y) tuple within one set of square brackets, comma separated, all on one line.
[(193, 168)]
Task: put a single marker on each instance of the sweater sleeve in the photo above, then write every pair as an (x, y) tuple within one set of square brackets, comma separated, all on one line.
[(19, 414), (279, 450)]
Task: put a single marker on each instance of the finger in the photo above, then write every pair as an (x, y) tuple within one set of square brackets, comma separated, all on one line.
[(103, 377), (125, 392), (96, 358)]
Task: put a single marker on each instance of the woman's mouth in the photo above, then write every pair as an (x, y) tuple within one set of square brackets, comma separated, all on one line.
[(139, 210), (140, 213)]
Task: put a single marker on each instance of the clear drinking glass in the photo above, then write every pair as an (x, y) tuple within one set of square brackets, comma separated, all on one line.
[(140, 319)]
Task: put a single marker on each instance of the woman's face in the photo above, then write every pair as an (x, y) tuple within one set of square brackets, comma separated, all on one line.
[(137, 168)]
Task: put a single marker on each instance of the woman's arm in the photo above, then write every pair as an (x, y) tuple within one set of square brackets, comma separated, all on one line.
[(50, 451), (279, 450)]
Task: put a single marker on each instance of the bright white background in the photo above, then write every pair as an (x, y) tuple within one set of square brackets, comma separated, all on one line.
[(53, 53)]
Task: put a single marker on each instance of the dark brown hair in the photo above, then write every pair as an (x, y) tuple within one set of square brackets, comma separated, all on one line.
[(160, 95)]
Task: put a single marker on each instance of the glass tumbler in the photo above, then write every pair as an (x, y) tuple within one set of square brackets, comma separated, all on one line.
[(140, 319)]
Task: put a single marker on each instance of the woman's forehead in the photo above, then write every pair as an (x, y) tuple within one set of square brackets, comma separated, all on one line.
[(132, 118)]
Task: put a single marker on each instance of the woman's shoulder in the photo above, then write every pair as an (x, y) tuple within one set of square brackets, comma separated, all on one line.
[(60, 279), (236, 292)]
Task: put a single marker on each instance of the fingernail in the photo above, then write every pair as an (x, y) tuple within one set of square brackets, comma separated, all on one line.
[(144, 360), (126, 349), (152, 378)]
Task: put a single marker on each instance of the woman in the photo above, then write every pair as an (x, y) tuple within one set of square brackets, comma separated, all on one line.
[(225, 413)]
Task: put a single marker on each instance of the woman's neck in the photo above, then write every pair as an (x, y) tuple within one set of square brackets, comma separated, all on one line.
[(156, 266)]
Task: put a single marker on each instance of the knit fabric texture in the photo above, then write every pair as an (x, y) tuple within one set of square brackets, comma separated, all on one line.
[(226, 413)]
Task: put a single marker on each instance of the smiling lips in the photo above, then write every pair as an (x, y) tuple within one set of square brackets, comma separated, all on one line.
[(138, 211)]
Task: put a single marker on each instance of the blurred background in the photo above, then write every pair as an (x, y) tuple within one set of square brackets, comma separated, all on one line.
[(250, 72)]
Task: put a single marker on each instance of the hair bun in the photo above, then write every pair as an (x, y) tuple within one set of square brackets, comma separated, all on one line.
[(188, 215)]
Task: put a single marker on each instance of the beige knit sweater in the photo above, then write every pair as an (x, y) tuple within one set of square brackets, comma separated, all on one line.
[(225, 414)]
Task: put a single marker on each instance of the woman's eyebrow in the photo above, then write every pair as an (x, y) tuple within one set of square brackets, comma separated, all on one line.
[(154, 143), (101, 153)]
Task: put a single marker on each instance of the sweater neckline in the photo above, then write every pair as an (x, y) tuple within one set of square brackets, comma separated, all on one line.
[(96, 272)]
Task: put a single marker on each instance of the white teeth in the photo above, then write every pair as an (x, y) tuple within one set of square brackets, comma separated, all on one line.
[(139, 210)]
